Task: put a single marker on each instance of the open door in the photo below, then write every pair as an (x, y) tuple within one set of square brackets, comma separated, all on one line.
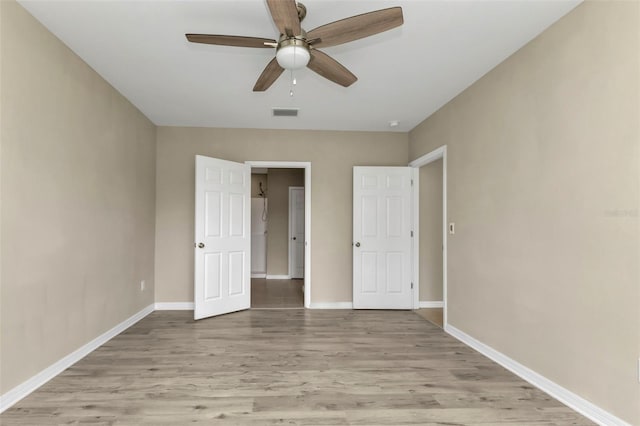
[(382, 238), (296, 232), (223, 237)]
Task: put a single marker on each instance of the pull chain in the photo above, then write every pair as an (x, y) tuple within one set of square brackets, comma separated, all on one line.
[(293, 83)]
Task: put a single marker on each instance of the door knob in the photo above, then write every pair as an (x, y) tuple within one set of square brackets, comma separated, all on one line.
[(200, 245), (357, 244), (294, 238)]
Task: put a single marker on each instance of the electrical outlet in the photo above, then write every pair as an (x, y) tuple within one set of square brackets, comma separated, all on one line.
[(142, 285)]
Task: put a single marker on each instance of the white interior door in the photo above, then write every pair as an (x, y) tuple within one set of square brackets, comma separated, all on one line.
[(296, 232), (382, 238), (223, 237)]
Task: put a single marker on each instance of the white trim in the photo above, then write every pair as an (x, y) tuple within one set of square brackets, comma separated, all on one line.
[(332, 305), (25, 388), (415, 243), (573, 401), (258, 275), (174, 306), (430, 157), (306, 165), (307, 236), (278, 277), (431, 304)]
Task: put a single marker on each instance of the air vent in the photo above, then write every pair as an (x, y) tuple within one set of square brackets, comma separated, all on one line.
[(285, 112)]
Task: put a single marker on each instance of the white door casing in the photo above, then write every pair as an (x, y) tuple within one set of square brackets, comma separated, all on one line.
[(222, 237), (382, 238), (306, 165), (296, 232)]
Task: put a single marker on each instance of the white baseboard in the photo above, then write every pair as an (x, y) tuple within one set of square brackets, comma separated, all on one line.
[(174, 306), (431, 304), (331, 305), (25, 388), (577, 403), (278, 277), (258, 275)]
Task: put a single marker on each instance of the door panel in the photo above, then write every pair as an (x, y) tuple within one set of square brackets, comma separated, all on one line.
[(223, 237), (382, 238), (213, 218), (213, 275)]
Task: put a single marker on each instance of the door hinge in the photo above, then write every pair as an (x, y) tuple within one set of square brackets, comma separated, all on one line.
[(411, 234), (411, 285), (411, 182)]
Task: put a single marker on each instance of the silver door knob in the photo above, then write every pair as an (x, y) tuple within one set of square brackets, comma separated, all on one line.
[(357, 244), (200, 245)]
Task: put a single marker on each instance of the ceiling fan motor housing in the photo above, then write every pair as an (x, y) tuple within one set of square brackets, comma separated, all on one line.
[(302, 10)]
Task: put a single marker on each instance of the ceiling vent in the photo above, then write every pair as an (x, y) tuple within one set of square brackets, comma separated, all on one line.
[(285, 112)]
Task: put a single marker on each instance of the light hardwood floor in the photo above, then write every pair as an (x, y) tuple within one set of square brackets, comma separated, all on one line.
[(269, 294), (433, 315), (294, 367)]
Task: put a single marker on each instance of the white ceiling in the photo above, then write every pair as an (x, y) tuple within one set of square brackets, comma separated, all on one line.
[(404, 74)]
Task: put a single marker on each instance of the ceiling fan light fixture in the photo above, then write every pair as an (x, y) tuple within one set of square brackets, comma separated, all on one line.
[(295, 49), (293, 54)]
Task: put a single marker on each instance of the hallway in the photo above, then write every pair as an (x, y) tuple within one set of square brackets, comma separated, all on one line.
[(277, 294)]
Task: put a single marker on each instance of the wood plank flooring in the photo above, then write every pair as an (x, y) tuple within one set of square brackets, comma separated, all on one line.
[(433, 315), (270, 294), (293, 367)]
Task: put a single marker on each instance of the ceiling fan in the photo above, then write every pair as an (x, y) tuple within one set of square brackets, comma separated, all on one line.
[(297, 48)]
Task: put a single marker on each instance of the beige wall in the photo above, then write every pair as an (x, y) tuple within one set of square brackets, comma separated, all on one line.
[(430, 225), (256, 179), (278, 220), (332, 156), (78, 190), (543, 178)]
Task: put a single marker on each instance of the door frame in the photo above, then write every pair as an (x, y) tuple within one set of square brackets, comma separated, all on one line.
[(436, 154), (290, 232), (306, 165)]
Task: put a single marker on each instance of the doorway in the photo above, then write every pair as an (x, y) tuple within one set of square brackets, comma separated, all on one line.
[(430, 248), (279, 247)]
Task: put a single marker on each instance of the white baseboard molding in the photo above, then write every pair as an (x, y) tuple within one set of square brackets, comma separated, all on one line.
[(331, 305), (258, 275), (577, 403), (431, 304), (16, 394), (278, 277), (174, 306)]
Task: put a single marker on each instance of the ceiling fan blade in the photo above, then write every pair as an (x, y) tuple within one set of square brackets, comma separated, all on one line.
[(356, 27), (331, 69), (228, 40), (285, 16), (270, 74)]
